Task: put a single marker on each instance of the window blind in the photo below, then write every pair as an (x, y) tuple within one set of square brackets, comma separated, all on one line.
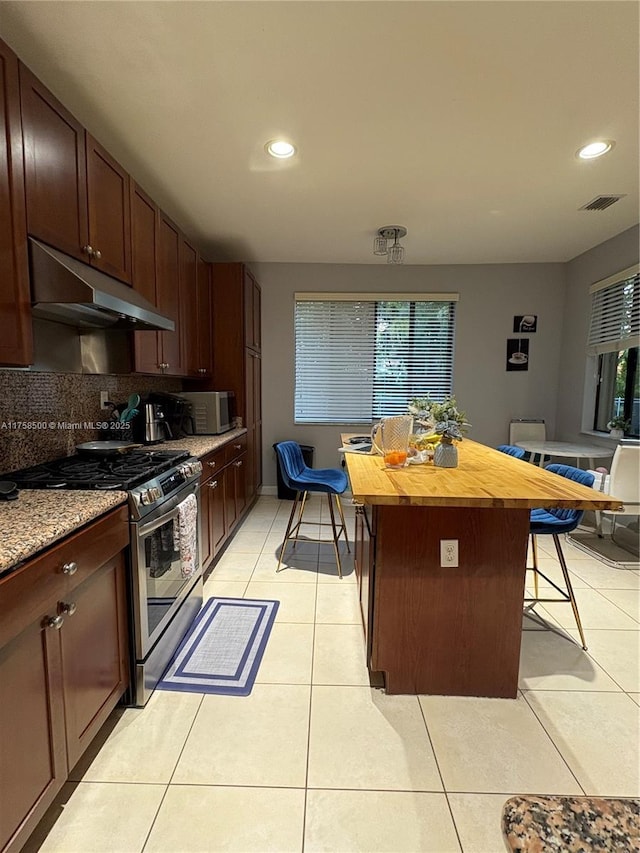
[(615, 313), (362, 358)]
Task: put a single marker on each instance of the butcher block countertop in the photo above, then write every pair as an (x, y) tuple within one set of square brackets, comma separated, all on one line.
[(39, 517), (484, 478)]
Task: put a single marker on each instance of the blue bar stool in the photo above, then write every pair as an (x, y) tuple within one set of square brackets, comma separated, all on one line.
[(512, 450), (555, 521), (301, 479)]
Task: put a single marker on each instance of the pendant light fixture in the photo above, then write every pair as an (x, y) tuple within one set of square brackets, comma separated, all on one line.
[(394, 252)]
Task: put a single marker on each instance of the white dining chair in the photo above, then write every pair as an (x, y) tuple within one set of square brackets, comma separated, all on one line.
[(623, 482), (523, 429)]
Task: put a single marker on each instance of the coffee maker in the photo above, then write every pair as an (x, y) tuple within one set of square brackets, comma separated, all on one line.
[(150, 425), (178, 413)]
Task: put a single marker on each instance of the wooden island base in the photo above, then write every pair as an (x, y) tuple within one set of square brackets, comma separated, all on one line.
[(446, 631)]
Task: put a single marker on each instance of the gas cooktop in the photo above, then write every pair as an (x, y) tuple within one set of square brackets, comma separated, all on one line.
[(123, 472)]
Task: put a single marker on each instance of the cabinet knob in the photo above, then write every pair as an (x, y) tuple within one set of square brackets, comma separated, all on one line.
[(238, 464), (87, 250), (68, 607), (211, 464), (202, 370), (237, 447), (70, 568), (54, 622), (163, 365), (213, 485), (97, 254)]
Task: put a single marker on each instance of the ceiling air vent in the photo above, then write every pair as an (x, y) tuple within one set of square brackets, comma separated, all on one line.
[(602, 202)]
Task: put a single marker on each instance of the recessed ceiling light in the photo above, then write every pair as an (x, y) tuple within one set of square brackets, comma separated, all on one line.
[(595, 149), (280, 149)]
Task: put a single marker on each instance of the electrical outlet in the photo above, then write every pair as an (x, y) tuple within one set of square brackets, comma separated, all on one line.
[(104, 398), (449, 553)]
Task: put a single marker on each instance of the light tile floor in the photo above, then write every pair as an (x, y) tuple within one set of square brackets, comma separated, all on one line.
[(315, 759)]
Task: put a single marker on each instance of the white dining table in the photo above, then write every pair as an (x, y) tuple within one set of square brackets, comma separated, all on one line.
[(566, 449)]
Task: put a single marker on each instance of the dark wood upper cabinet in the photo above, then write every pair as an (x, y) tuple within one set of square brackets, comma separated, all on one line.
[(15, 305), (168, 294), (189, 306), (144, 249), (77, 194), (55, 169), (205, 320), (252, 307), (109, 217)]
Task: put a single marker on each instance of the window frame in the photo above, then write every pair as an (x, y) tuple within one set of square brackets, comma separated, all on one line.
[(614, 329)]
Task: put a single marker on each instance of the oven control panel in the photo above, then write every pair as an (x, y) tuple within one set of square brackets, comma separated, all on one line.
[(152, 493)]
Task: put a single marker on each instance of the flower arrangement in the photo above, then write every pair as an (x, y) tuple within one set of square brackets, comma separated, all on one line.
[(619, 422), (444, 419)]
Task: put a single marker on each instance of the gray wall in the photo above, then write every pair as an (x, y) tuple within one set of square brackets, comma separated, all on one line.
[(604, 260), (490, 296)]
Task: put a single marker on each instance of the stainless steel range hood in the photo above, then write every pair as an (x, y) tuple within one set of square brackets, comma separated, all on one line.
[(68, 291)]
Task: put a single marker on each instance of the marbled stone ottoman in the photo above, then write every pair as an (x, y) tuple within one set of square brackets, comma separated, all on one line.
[(571, 825)]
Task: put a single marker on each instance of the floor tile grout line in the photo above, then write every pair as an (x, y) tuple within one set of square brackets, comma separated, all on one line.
[(441, 777), (168, 784), (555, 745), (306, 772)]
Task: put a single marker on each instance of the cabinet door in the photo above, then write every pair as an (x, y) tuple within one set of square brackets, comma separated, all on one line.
[(55, 169), (94, 653), (240, 484), (204, 326), (33, 764), (231, 515), (168, 294), (16, 347), (189, 307), (217, 515), (204, 508), (254, 422), (109, 217), (144, 248), (252, 307)]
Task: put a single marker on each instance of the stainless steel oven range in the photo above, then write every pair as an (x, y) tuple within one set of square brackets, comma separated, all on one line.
[(165, 560)]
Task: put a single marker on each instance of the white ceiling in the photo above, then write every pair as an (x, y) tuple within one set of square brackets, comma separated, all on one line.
[(459, 120)]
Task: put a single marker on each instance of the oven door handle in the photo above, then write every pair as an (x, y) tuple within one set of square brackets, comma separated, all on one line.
[(150, 526)]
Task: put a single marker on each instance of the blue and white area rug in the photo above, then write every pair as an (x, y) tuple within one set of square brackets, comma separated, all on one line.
[(222, 651)]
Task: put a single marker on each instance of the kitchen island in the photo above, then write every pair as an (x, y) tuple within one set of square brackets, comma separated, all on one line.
[(450, 629)]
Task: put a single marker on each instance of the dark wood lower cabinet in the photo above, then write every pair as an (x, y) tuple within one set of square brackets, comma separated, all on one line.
[(33, 762), (94, 654), (223, 496), (63, 666)]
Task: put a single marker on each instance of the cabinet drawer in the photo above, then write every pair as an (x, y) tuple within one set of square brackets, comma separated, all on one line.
[(234, 448), (212, 463), (27, 593)]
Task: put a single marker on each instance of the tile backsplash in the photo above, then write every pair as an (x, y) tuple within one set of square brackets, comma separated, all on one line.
[(44, 415)]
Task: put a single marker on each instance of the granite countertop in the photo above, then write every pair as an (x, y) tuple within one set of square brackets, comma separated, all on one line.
[(199, 445), (582, 824), (39, 517)]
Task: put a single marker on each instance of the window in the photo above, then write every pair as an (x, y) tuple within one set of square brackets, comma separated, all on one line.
[(359, 357), (614, 335)]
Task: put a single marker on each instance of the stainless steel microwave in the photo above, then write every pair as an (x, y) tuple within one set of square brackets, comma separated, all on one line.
[(212, 411)]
